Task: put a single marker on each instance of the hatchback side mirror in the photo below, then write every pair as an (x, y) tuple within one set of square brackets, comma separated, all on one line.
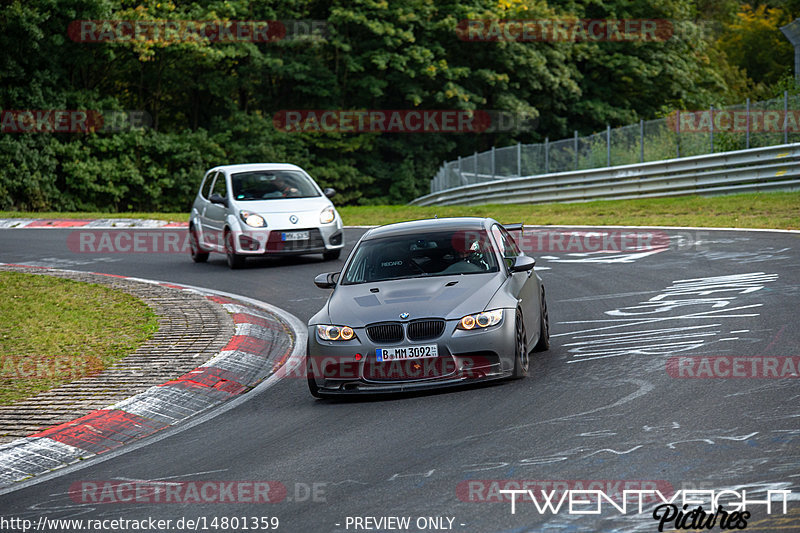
[(215, 198), (326, 280), (329, 192), (523, 263)]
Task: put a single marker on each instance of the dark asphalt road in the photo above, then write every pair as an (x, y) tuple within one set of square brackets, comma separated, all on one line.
[(600, 405)]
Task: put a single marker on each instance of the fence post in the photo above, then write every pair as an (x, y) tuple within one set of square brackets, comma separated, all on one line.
[(641, 140), (519, 159), (678, 130), (475, 159), (493, 160), (546, 155), (785, 117), (747, 135), (608, 145), (711, 129), (576, 149)]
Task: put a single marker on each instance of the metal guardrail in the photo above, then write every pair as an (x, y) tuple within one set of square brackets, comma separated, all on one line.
[(680, 134), (758, 169)]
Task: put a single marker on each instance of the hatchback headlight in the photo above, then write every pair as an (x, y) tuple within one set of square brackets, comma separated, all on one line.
[(328, 332), (252, 219), (327, 215), (481, 320)]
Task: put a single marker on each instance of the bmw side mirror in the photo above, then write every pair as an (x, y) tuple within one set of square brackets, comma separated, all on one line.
[(215, 198), (326, 280), (329, 192), (523, 263)]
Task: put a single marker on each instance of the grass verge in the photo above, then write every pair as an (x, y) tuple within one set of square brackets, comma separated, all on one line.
[(774, 210), (757, 210), (53, 331)]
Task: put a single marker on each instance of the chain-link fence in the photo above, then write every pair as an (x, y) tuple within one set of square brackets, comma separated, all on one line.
[(682, 134)]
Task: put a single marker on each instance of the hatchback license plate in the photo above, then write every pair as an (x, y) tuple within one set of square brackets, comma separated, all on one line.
[(294, 236), (406, 352)]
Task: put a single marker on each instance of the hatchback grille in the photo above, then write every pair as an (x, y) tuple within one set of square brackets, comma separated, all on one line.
[(390, 332), (421, 330), (314, 242)]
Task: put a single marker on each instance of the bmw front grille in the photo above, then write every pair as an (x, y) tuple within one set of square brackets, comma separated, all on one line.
[(417, 330)]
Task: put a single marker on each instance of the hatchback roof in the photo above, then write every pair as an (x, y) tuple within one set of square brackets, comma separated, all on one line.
[(250, 167)]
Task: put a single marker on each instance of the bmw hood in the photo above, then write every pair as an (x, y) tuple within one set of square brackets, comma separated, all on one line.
[(449, 297)]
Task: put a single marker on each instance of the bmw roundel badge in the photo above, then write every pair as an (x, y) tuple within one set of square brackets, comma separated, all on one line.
[(404, 315)]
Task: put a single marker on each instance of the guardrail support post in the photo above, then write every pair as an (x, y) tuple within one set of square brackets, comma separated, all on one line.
[(785, 117), (711, 129), (576, 149), (547, 155), (747, 135), (608, 145), (641, 141)]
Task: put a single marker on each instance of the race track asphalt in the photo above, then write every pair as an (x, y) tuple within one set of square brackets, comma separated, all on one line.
[(610, 402)]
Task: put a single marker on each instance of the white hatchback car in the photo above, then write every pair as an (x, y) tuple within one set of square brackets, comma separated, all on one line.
[(263, 209)]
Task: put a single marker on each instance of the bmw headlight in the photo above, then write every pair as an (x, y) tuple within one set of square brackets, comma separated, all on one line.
[(252, 219), (327, 215), (328, 332), (481, 320)]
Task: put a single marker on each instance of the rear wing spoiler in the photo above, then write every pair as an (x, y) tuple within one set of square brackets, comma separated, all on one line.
[(514, 227)]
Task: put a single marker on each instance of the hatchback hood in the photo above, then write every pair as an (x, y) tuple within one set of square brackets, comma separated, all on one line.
[(285, 205), (449, 297)]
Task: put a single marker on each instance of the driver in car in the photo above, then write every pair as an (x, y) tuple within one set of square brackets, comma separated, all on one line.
[(286, 190)]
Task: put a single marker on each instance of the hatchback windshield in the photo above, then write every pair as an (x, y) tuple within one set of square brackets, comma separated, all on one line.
[(440, 253), (272, 184)]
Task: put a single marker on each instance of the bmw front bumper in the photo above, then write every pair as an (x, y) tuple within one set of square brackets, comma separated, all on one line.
[(348, 367)]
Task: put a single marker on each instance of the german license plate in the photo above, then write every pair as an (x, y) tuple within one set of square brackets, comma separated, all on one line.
[(294, 236), (401, 353)]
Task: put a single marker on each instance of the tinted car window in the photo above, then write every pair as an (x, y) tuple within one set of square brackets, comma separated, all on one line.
[(219, 185), (272, 184), (205, 190), (420, 255)]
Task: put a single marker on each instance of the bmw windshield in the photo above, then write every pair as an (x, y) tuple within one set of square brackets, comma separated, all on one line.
[(442, 253)]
